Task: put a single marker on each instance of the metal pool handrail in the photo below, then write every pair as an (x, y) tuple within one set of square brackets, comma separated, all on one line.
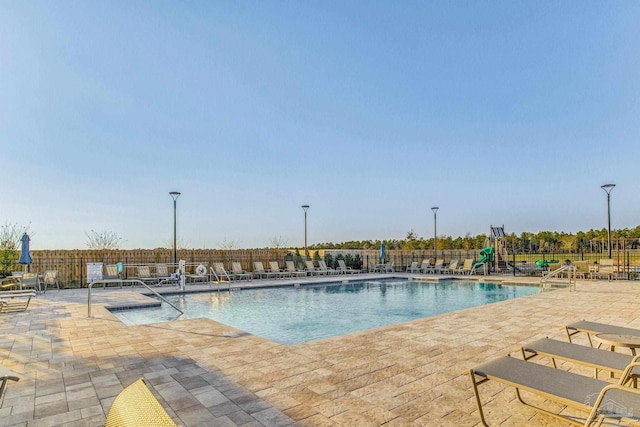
[(125, 281)]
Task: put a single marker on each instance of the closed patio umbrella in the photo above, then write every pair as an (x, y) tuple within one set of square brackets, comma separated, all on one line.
[(25, 255), (383, 254)]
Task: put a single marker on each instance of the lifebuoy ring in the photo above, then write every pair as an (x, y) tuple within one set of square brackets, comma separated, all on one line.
[(201, 270)]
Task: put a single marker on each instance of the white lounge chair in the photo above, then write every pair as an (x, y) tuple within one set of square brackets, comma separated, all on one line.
[(258, 270), (274, 268), (451, 268), (425, 266), (343, 269), (293, 271), (435, 269), (323, 267), (312, 270), (12, 301), (239, 273), (413, 268)]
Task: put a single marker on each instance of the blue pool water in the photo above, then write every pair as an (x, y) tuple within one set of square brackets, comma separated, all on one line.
[(296, 315)]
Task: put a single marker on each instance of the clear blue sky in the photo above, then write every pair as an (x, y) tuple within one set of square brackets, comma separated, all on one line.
[(502, 112)]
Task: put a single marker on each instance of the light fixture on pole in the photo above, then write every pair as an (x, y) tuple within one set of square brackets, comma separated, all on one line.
[(607, 189), (435, 234), (174, 195), (306, 253)]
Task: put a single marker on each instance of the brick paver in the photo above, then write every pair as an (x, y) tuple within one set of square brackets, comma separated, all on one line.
[(206, 373)]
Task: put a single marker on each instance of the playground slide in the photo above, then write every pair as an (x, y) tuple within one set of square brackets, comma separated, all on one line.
[(484, 257)]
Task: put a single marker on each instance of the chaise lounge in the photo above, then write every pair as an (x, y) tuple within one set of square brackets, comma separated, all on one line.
[(599, 398), (593, 328)]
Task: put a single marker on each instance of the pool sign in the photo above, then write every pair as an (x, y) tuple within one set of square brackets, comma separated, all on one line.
[(94, 271)]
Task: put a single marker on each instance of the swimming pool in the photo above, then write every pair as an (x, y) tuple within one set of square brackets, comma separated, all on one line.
[(292, 315)]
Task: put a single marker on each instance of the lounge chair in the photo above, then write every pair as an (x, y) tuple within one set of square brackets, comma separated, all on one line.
[(425, 266), (593, 328), (600, 399), (144, 275), (239, 273), (30, 280), (579, 354), (277, 271), (50, 278), (451, 268), (13, 301), (5, 376), (389, 267), (258, 269), (312, 270), (436, 267), (323, 267), (343, 269), (136, 406), (413, 268), (164, 277), (293, 271), (467, 267), (219, 273)]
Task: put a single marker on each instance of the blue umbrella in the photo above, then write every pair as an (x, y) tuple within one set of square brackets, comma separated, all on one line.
[(25, 255), (383, 255)]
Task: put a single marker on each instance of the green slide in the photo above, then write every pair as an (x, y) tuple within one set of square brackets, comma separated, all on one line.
[(486, 255)]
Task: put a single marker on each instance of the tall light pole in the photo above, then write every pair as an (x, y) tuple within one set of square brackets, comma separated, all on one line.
[(306, 253), (174, 195), (435, 234), (607, 189)]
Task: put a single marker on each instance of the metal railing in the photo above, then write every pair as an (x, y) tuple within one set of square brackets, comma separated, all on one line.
[(545, 285)]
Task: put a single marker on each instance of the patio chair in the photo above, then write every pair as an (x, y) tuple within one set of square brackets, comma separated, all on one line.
[(600, 399), (425, 266), (293, 271), (467, 267), (312, 270), (277, 271), (5, 376), (343, 269), (219, 273), (50, 278), (164, 276), (144, 275), (258, 269), (389, 267), (413, 268), (435, 268), (239, 273), (598, 359), (323, 267), (451, 268), (593, 328), (30, 280), (14, 301), (136, 406)]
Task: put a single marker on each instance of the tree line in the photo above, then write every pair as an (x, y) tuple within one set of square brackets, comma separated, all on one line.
[(543, 241)]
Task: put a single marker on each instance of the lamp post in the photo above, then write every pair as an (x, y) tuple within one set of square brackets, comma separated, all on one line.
[(607, 189), (174, 195), (435, 234), (306, 253)]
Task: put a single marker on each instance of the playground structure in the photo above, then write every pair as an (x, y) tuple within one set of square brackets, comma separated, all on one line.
[(494, 256)]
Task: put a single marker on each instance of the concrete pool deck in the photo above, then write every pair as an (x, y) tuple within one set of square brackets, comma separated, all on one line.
[(206, 373)]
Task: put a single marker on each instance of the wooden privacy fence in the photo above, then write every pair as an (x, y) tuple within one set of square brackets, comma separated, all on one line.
[(72, 264)]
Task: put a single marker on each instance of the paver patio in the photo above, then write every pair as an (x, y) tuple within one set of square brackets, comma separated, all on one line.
[(206, 373)]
